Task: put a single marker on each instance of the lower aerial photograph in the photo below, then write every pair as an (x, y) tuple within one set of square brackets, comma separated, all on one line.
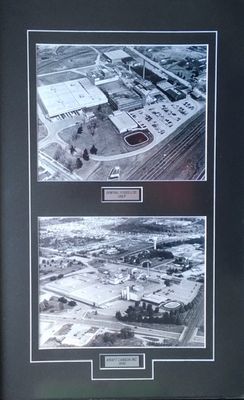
[(122, 282)]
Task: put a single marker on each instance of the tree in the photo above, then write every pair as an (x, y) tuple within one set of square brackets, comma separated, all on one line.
[(93, 150), (149, 308), (79, 130), (166, 318), (126, 333), (62, 300), (72, 149), (139, 318), (118, 315), (69, 164), (79, 163), (108, 337), (85, 155), (72, 303), (178, 320)]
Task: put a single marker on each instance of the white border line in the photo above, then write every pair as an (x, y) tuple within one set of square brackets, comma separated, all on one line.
[(214, 185), (115, 31), (29, 197), (214, 189)]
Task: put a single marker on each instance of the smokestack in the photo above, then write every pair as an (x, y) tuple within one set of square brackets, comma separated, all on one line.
[(155, 243)]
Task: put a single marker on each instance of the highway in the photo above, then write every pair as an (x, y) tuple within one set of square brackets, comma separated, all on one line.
[(113, 325), (167, 154)]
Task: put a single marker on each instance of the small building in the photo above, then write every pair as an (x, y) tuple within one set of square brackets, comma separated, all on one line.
[(175, 94), (123, 121), (115, 56)]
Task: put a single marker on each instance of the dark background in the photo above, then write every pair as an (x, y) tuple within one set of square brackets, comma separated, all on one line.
[(222, 378)]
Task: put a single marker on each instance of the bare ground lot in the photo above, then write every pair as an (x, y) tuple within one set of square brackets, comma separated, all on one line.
[(57, 78), (63, 57)]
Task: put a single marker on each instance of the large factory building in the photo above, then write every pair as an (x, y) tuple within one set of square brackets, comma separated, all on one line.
[(61, 98)]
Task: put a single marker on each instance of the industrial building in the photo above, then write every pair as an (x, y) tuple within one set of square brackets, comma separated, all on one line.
[(70, 96), (183, 292), (175, 94), (171, 91), (123, 121), (115, 56), (101, 76)]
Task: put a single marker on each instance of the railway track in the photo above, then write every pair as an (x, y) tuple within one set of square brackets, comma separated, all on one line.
[(158, 164), (200, 176)]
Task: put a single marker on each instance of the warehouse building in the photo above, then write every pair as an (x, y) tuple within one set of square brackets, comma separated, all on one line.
[(115, 56), (70, 96), (123, 121), (170, 90)]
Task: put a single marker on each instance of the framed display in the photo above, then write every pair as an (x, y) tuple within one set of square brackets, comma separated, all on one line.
[(115, 270), (122, 112)]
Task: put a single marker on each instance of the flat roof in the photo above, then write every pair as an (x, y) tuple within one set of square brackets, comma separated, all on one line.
[(183, 292), (115, 54), (123, 121), (63, 97)]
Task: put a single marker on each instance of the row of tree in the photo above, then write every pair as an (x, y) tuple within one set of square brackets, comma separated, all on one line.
[(147, 313), (111, 337), (162, 318), (84, 155)]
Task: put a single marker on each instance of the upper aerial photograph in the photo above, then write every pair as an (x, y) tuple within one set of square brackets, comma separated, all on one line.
[(121, 112)]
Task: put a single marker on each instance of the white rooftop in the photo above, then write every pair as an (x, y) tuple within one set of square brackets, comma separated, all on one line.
[(123, 121), (68, 96), (184, 292), (116, 54)]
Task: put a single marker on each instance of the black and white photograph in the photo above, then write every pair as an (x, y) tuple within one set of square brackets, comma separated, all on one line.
[(122, 282), (121, 112)]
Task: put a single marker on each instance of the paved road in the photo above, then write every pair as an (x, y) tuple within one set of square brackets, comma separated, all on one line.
[(53, 167), (113, 325)]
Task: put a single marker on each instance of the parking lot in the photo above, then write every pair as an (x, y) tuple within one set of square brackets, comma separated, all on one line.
[(163, 118)]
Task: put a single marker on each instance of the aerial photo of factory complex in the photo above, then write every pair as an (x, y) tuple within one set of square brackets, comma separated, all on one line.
[(121, 112), (121, 282)]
